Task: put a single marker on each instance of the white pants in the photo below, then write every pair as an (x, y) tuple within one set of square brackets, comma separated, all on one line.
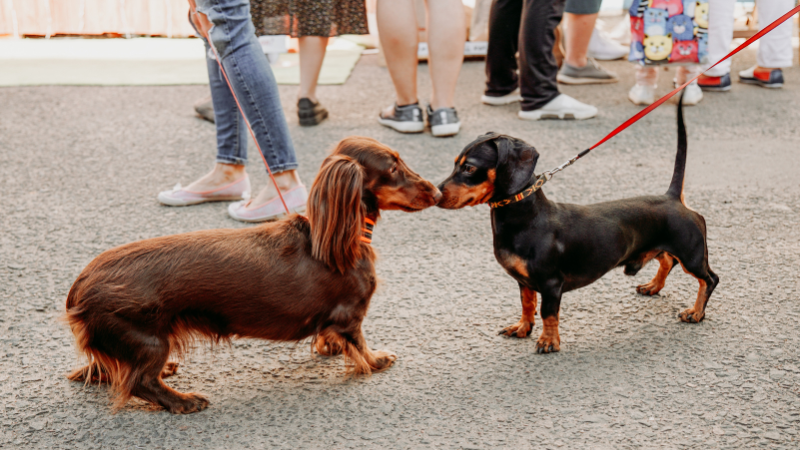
[(775, 48)]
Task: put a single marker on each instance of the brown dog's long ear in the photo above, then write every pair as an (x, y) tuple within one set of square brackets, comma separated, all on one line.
[(516, 161), (336, 213)]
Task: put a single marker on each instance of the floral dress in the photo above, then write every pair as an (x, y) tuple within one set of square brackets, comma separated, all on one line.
[(309, 17)]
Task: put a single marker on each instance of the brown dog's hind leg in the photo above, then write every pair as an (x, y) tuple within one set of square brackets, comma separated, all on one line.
[(170, 369), (666, 263), (329, 343), (90, 374), (524, 327), (365, 361)]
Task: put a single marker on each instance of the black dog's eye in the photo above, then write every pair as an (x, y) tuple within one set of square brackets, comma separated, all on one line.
[(469, 169)]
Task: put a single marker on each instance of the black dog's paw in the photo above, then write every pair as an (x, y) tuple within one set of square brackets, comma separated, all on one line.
[(691, 316), (521, 329)]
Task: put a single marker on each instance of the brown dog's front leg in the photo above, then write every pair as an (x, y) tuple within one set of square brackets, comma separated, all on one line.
[(329, 343), (524, 327), (366, 361)]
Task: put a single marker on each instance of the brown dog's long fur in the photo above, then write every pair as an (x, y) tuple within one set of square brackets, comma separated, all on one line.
[(135, 305)]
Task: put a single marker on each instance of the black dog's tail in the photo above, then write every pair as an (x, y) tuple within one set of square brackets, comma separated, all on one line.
[(676, 186)]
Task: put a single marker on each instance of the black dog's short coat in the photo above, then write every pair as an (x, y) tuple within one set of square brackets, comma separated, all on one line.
[(552, 248)]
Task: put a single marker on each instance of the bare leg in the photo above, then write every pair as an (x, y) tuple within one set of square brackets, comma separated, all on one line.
[(398, 33), (446, 36), (221, 175), (579, 28), (312, 52), (286, 180)]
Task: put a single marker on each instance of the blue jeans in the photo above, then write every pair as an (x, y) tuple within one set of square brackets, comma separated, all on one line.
[(250, 75)]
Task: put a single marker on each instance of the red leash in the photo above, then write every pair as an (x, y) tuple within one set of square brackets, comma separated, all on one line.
[(247, 122), (546, 176)]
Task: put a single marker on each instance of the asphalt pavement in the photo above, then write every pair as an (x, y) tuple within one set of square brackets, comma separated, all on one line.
[(80, 168)]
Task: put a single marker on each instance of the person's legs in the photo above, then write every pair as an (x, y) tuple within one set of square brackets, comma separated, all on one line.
[(251, 78), (397, 22), (578, 33), (538, 68), (720, 35), (501, 59), (446, 36), (312, 52), (775, 48)]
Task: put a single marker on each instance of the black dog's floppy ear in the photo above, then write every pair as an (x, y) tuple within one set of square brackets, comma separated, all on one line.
[(516, 161)]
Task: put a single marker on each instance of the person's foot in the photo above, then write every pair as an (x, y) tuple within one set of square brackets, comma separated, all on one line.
[(443, 121), (310, 112), (591, 73), (642, 94), (768, 78), (715, 84), (178, 196), (604, 48), (561, 107), (405, 119), (692, 94), (509, 98), (205, 109), (258, 211)]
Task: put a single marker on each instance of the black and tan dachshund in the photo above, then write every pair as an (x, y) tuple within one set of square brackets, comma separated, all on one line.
[(552, 248)]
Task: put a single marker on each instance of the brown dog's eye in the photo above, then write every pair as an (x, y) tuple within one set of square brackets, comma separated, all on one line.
[(393, 169), (469, 170)]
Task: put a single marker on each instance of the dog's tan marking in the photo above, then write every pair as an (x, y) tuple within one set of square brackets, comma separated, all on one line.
[(657, 283), (513, 264), (524, 327), (549, 341)]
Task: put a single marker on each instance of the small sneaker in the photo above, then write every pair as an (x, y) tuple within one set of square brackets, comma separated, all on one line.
[(443, 121), (715, 84), (768, 78), (591, 73), (512, 97), (205, 109), (692, 94), (604, 48), (405, 119), (642, 94), (310, 113), (295, 200), (181, 197), (561, 107)]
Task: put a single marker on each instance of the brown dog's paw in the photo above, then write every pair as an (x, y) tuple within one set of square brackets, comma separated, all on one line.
[(329, 345), (691, 316), (189, 403), (383, 360), (648, 289), (170, 369), (521, 329)]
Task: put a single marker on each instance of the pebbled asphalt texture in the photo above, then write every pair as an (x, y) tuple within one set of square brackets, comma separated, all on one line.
[(80, 168)]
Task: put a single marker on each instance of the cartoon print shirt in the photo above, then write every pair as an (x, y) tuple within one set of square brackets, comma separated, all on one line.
[(669, 31)]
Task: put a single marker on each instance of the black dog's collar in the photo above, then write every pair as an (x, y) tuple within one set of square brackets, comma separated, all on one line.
[(527, 192)]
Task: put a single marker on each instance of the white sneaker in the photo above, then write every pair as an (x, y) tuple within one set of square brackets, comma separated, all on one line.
[(642, 95), (504, 100), (604, 48), (692, 94), (561, 107)]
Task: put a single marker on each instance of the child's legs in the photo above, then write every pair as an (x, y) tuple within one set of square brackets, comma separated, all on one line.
[(720, 34), (647, 76)]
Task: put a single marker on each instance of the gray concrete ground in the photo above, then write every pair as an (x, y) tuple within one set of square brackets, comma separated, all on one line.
[(80, 168)]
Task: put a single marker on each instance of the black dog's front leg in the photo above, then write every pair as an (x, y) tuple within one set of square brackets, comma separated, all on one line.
[(550, 341)]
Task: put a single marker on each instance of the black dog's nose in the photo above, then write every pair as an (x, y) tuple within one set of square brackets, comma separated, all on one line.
[(438, 195)]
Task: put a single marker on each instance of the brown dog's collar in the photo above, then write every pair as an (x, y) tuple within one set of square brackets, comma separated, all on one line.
[(369, 225), (527, 192)]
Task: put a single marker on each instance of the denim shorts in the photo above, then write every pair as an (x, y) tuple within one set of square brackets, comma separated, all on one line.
[(583, 6)]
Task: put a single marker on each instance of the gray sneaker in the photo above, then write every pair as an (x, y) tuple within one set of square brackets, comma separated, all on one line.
[(443, 121), (406, 119), (591, 73)]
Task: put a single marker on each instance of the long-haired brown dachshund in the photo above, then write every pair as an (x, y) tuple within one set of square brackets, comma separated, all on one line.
[(135, 305)]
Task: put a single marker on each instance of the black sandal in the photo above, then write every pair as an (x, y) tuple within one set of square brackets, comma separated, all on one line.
[(310, 113)]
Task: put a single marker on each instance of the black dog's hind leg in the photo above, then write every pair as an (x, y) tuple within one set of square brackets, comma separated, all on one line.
[(708, 281), (550, 341), (666, 263)]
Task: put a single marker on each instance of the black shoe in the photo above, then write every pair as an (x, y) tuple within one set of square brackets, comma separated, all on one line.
[(405, 119), (310, 113), (205, 109)]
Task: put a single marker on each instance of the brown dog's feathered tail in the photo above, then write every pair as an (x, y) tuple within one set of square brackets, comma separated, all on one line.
[(676, 186)]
